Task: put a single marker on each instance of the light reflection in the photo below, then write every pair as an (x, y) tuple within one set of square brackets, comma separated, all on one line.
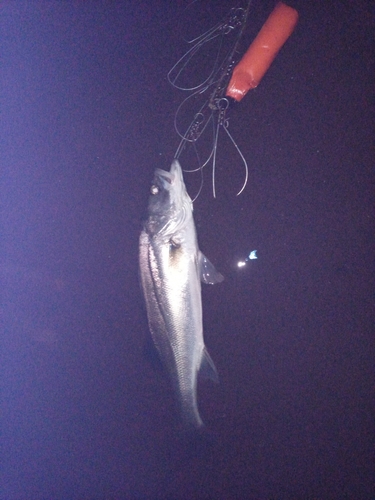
[(252, 256)]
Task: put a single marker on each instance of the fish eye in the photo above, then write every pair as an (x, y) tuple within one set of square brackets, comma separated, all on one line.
[(154, 189)]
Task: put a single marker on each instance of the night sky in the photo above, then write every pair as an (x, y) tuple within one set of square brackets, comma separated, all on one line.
[(87, 115)]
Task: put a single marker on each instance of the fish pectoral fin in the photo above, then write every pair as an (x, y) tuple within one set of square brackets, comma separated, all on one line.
[(208, 273), (207, 368)]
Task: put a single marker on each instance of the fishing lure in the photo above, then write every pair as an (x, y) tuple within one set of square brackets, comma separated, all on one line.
[(263, 50), (226, 81)]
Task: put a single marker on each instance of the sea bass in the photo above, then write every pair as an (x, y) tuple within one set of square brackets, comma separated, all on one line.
[(171, 269)]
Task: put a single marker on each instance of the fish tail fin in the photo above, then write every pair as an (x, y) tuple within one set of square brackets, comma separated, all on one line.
[(207, 367)]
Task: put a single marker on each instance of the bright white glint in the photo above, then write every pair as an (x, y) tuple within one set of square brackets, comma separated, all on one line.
[(252, 256)]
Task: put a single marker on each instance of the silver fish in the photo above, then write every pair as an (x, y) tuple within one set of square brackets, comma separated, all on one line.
[(171, 269)]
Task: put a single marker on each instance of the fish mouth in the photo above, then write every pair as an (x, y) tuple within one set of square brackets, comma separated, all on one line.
[(166, 178)]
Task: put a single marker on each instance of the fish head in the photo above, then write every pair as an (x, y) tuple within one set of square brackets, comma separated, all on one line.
[(169, 206)]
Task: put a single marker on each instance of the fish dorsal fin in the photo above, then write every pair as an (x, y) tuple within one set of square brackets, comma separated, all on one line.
[(207, 368), (208, 273)]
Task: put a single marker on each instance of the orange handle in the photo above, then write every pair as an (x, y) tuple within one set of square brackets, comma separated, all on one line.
[(263, 50)]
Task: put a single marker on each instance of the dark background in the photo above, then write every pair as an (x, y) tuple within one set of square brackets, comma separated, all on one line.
[(87, 114)]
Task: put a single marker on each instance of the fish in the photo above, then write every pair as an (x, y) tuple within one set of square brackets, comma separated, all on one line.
[(171, 270)]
